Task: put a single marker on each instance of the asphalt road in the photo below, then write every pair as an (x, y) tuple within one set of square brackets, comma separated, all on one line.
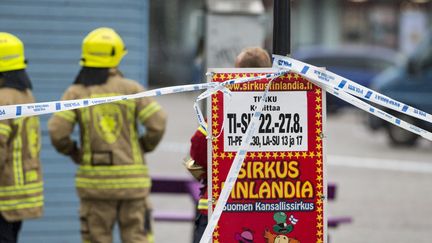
[(386, 190)]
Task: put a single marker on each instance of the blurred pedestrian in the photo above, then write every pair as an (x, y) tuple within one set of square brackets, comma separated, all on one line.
[(252, 57), (21, 189), (112, 178)]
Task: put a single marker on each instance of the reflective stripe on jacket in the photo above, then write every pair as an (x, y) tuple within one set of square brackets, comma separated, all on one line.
[(203, 205), (110, 158), (21, 187)]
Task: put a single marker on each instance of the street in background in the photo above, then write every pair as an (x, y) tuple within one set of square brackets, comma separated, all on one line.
[(359, 63), (410, 83)]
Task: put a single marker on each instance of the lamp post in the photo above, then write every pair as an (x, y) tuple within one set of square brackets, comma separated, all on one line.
[(281, 27)]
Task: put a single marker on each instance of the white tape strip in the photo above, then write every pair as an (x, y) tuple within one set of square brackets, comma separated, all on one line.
[(22, 110), (331, 86), (332, 83), (326, 77), (375, 111), (315, 75), (221, 87), (15, 111), (234, 170), (41, 108)]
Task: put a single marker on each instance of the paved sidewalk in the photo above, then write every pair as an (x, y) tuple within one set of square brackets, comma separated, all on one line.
[(167, 161)]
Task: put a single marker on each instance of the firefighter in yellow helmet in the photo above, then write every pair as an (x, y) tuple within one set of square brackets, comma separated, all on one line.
[(112, 177), (21, 189)]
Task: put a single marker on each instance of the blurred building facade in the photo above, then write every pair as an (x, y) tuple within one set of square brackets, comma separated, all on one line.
[(176, 28), (52, 32), (397, 24), (167, 43), (184, 32), (230, 27)]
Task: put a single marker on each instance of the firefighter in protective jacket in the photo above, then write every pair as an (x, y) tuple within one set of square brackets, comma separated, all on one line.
[(21, 189), (112, 178)]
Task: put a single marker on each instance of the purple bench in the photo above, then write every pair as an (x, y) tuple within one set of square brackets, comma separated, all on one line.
[(175, 185), (190, 186), (333, 222)]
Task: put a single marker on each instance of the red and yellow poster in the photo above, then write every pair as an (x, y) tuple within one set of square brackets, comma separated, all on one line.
[(279, 194)]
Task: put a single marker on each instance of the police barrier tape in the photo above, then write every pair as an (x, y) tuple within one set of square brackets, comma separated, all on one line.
[(22, 110), (346, 90), (328, 78), (41, 108), (336, 85), (221, 87), (234, 170), (316, 77)]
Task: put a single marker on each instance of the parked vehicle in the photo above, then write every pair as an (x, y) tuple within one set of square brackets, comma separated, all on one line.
[(410, 83), (357, 63)]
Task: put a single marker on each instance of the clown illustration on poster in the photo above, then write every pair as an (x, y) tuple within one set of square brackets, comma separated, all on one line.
[(279, 193), (278, 235)]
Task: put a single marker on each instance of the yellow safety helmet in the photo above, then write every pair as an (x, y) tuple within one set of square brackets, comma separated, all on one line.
[(102, 48), (11, 53)]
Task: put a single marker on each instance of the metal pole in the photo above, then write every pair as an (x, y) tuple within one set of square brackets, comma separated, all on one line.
[(282, 27)]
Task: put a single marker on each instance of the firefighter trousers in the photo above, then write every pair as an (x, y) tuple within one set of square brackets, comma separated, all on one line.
[(98, 217), (9, 230)]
